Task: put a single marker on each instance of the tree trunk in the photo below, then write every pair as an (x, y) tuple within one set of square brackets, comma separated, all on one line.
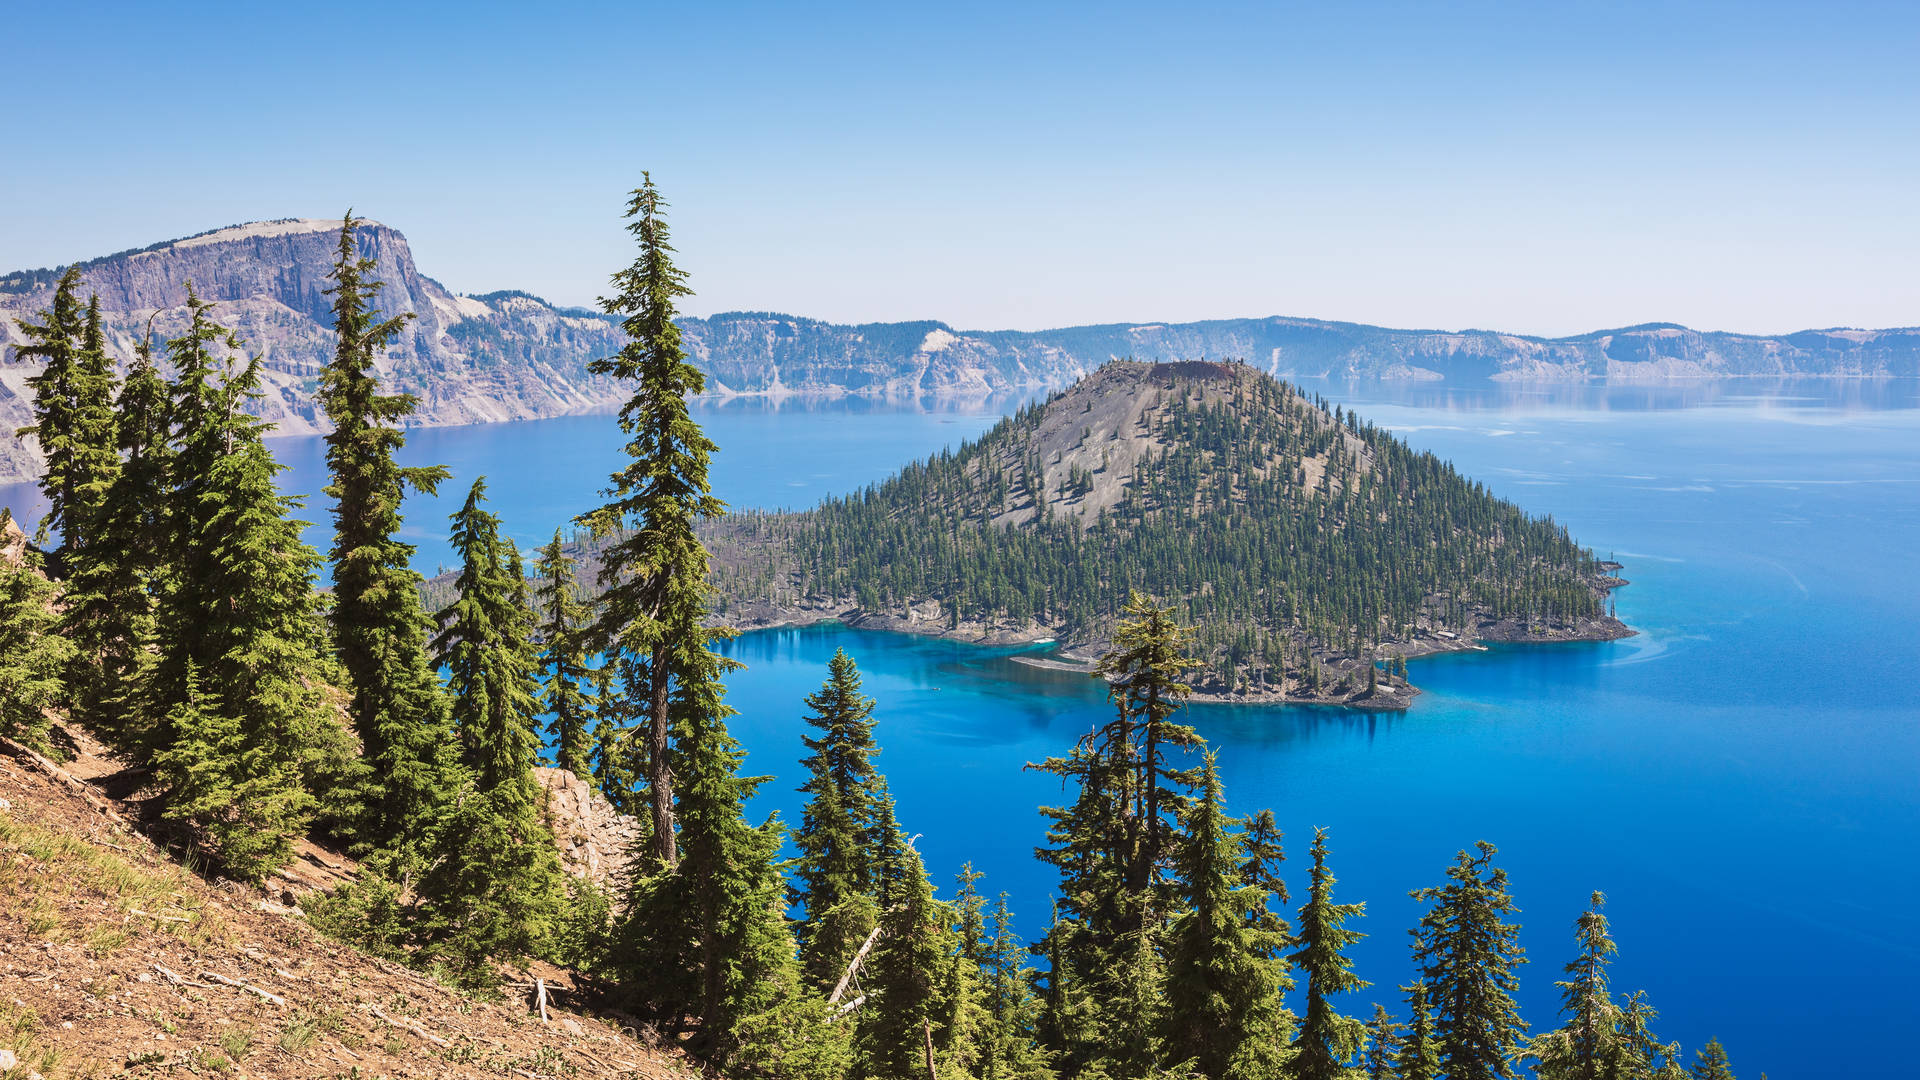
[(659, 776)]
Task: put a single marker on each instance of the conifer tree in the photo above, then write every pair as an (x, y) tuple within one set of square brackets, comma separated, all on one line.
[(379, 625), (1327, 1040), (834, 874), (1223, 1008), (33, 655), (905, 987), (124, 573), (93, 450), (654, 578), (709, 936), (1642, 1056), (494, 886), (1383, 1045), (1010, 1050), (1588, 1046), (1468, 955), (242, 617), (562, 617), (1419, 1056), (1711, 1064), (56, 342), (246, 800), (484, 648), (1115, 844)]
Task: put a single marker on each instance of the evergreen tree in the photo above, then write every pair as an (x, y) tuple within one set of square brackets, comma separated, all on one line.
[(494, 887), (93, 570), (1383, 1045), (1223, 1008), (56, 341), (1468, 955), (1711, 1064), (126, 569), (562, 616), (33, 655), (379, 625), (904, 978), (484, 647), (1642, 1056), (1419, 1056), (245, 800), (1589, 1046), (1116, 843), (1327, 1040), (834, 869), (654, 578), (241, 616), (708, 937), (1010, 1049)]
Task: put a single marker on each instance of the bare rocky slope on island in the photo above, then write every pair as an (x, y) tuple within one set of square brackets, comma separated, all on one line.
[(509, 355), (1310, 549)]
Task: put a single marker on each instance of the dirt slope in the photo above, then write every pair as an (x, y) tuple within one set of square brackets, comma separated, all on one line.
[(115, 961)]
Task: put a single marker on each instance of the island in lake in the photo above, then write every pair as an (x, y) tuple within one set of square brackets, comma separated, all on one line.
[(1313, 552)]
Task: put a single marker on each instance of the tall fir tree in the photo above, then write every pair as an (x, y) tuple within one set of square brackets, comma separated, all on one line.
[(1223, 1007), (493, 885), (1588, 1046), (484, 647), (833, 872), (1469, 955), (1419, 1057), (1328, 1040), (708, 936), (93, 462), (566, 697), (1642, 1056), (380, 627), (55, 341), (242, 617), (907, 994), (1115, 844), (126, 568), (654, 576)]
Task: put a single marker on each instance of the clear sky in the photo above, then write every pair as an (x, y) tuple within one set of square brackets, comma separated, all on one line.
[(1539, 167)]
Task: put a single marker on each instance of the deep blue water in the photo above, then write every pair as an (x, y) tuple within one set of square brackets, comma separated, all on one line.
[(1740, 779)]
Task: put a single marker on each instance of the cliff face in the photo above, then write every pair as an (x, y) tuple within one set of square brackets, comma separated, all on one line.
[(511, 356), (470, 360)]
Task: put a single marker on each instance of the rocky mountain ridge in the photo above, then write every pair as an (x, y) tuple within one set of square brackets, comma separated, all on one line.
[(509, 355)]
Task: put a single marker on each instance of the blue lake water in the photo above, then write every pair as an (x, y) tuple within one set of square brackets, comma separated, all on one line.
[(1740, 779)]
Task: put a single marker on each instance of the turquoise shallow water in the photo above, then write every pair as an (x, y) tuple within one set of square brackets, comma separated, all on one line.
[(1740, 778)]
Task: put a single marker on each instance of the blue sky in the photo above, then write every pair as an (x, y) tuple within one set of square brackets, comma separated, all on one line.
[(1544, 168)]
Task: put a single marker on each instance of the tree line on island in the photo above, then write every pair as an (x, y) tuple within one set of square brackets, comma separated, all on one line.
[(179, 619)]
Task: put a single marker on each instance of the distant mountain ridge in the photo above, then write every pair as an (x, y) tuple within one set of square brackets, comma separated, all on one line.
[(510, 355)]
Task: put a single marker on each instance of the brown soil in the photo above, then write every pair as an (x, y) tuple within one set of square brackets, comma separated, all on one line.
[(116, 961)]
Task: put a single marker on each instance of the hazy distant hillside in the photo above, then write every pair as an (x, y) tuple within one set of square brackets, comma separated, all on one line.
[(761, 351), (510, 355)]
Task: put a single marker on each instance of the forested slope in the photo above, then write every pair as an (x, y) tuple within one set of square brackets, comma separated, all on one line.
[(1303, 542)]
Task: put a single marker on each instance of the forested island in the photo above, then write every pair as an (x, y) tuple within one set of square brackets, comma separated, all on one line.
[(1315, 552), (259, 722)]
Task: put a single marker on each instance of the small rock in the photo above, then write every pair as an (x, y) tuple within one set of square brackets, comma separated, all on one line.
[(572, 1025), (5, 805), (8, 1060)]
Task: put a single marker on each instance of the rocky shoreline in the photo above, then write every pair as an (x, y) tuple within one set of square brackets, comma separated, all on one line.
[(1076, 657)]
